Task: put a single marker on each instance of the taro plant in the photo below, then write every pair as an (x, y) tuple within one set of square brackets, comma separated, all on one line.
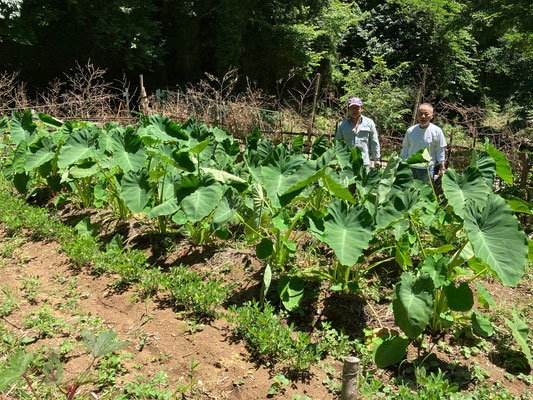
[(191, 177), (279, 177), (490, 241), (376, 202), (281, 181), (35, 156)]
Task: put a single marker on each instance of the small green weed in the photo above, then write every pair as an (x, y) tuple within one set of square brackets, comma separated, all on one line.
[(270, 340), (30, 285), (155, 388), (129, 264), (196, 295), (8, 246), (333, 379), (337, 344), (45, 323), (109, 368), (8, 304), (149, 284)]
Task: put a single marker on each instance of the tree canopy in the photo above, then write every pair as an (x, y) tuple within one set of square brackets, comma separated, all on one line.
[(472, 50)]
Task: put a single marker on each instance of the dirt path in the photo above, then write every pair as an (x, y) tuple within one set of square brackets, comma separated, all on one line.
[(159, 340), (39, 277)]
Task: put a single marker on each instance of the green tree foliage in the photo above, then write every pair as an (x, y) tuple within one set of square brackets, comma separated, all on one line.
[(504, 30), (385, 98), (472, 49), (45, 38), (419, 33), (264, 39)]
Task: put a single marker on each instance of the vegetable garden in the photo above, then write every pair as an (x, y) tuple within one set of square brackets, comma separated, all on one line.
[(317, 227)]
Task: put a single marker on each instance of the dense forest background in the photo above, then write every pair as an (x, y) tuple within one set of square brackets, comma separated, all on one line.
[(473, 52)]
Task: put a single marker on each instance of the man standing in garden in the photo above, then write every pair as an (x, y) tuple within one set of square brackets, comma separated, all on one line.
[(423, 135), (360, 131)]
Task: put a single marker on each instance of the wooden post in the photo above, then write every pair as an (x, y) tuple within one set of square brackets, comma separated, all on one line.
[(449, 149), (474, 139), (524, 162), (127, 95), (144, 100), (350, 378), (310, 128), (334, 134), (421, 90)]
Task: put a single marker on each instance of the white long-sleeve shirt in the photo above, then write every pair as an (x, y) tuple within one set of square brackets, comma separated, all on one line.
[(366, 137), (417, 138)]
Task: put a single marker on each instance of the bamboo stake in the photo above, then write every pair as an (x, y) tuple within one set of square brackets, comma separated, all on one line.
[(523, 176), (310, 129), (421, 91), (350, 378)]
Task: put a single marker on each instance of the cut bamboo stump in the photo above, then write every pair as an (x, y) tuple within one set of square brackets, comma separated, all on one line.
[(350, 379)]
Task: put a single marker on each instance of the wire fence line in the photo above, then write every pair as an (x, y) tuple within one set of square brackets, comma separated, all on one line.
[(240, 118)]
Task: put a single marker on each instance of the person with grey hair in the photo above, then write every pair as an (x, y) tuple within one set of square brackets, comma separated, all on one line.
[(360, 131), (425, 134)]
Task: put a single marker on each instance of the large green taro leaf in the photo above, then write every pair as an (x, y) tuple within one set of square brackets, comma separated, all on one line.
[(227, 178), (304, 176), (128, 152), (83, 170), (403, 180), (460, 188), (459, 298), (340, 191), (347, 231), (162, 128), (396, 207), (19, 158), (412, 303), (487, 166), (136, 190), (520, 332), (388, 178), (202, 201), (40, 153), (22, 127), (422, 156), (22, 182), (503, 168), (168, 207), (179, 159), (291, 291), (226, 209), (80, 145), (497, 238), (48, 120), (277, 171), (343, 154), (226, 153), (389, 350)]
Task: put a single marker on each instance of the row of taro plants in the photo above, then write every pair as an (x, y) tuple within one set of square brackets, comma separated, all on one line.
[(199, 180)]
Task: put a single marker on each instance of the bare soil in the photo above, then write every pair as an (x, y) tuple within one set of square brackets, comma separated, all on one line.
[(161, 339)]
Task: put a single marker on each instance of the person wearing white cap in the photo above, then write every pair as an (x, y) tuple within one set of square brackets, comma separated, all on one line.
[(360, 131)]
